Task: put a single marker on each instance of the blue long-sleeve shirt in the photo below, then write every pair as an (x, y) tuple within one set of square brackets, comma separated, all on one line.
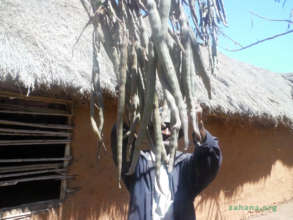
[(191, 174)]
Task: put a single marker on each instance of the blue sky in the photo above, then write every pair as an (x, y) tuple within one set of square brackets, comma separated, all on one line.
[(275, 55)]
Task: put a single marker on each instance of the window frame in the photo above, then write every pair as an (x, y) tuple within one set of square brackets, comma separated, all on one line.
[(40, 206)]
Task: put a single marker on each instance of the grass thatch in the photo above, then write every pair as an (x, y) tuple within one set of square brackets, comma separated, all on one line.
[(38, 48), (38, 51), (289, 76)]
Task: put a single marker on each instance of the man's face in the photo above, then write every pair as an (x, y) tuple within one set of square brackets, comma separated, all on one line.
[(166, 132)]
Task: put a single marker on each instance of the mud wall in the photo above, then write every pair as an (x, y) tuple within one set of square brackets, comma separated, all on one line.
[(257, 169)]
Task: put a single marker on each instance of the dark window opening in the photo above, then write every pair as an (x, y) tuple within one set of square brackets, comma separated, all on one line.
[(35, 137), (29, 192)]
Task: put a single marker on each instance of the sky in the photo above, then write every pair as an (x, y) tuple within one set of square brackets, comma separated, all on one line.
[(275, 55)]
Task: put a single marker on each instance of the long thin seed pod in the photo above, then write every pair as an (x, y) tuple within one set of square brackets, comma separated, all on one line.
[(165, 158), (175, 127), (186, 72), (96, 91), (158, 138), (95, 87), (175, 122), (149, 100), (164, 9), (178, 58), (164, 115), (121, 103), (175, 90), (193, 12), (173, 147), (144, 37), (115, 61), (200, 69), (134, 102), (131, 136), (193, 110), (93, 122), (165, 59), (221, 11), (221, 5), (97, 79), (214, 9), (169, 98)]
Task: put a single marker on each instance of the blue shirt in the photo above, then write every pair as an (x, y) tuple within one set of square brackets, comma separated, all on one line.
[(191, 174)]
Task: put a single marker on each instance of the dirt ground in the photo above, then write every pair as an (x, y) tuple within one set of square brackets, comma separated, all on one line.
[(284, 212)]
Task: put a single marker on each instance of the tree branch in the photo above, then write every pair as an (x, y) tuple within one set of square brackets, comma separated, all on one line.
[(269, 19), (261, 41)]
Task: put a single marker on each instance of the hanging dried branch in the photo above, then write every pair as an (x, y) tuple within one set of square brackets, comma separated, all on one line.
[(166, 45)]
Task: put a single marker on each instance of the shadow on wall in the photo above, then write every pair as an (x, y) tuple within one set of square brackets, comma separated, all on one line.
[(249, 153)]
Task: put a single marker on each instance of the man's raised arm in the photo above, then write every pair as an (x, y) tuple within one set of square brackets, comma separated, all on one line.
[(203, 165)]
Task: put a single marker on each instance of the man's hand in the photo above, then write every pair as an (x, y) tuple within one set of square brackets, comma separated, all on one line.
[(201, 127)]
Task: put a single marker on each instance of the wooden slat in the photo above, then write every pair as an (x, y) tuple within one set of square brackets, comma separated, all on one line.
[(34, 113), (34, 98), (28, 134), (31, 173), (34, 160), (56, 126), (9, 169), (49, 177), (50, 133), (33, 142), (32, 109)]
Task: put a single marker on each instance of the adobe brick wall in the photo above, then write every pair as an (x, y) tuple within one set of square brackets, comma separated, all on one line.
[(257, 169)]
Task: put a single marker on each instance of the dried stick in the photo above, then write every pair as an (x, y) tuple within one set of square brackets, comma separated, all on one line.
[(121, 102)]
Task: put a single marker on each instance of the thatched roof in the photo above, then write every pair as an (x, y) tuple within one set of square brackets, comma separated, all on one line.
[(38, 51), (289, 76), (37, 46)]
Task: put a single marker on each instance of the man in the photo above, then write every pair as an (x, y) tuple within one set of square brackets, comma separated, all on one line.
[(190, 175)]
